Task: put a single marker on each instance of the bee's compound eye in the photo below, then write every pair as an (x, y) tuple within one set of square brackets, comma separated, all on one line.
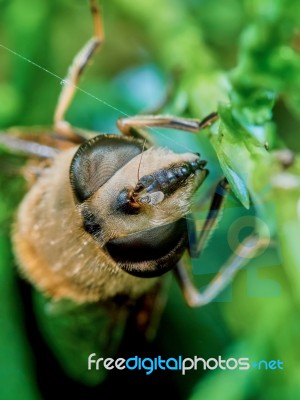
[(152, 252), (97, 160)]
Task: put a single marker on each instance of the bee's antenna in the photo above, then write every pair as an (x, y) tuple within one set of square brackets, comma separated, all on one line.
[(138, 173)]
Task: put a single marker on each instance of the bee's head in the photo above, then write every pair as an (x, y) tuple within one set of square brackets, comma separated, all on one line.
[(123, 191)]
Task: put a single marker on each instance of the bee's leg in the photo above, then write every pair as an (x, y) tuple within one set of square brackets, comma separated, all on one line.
[(244, 252), (212, 218), (132, 126), (40, 143), (25, 147), (79, 63)]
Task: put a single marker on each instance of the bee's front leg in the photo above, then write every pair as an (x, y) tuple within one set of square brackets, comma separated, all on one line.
[(133, 126), (75, 71), (245, 251)]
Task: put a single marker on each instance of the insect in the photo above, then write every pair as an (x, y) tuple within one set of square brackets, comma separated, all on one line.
[(105, 216)]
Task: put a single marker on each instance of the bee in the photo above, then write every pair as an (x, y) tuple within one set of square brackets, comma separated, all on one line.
[(105, 216)]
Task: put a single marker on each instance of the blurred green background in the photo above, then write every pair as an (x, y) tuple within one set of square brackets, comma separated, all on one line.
[(188, 58)]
